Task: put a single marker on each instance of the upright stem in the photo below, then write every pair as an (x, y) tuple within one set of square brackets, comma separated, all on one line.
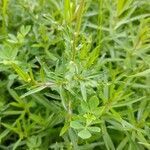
[(4, 13), (77, 28), (100, 20)]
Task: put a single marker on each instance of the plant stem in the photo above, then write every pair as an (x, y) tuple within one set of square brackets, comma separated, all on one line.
[(4, 13), (77, 28)]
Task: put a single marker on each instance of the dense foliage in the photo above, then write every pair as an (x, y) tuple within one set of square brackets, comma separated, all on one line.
[(74, 74)]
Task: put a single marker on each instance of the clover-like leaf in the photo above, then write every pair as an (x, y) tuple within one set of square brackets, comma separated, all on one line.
[(76, 125), (94, 129), (85, 107), (84, 134), (93, 102)]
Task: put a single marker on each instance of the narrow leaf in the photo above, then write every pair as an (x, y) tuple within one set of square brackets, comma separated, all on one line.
[(35, 90)]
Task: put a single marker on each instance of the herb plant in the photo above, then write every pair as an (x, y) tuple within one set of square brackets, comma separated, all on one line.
[(74, 74)]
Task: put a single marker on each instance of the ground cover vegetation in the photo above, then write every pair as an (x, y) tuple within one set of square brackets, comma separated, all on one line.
[(74, 74)]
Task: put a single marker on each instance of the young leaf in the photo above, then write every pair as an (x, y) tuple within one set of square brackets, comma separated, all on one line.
[(35, 90), (93, 56), (64, 129), (94, 129), (76, 125), (25, 76), (84, 134), (84, 106), (25, 30), (93, 102)]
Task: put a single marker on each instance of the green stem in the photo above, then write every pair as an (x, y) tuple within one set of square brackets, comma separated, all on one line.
[(77, 28), (100, 20), (4, 14)]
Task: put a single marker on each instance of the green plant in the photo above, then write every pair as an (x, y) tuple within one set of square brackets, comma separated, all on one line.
[(74, 74)]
